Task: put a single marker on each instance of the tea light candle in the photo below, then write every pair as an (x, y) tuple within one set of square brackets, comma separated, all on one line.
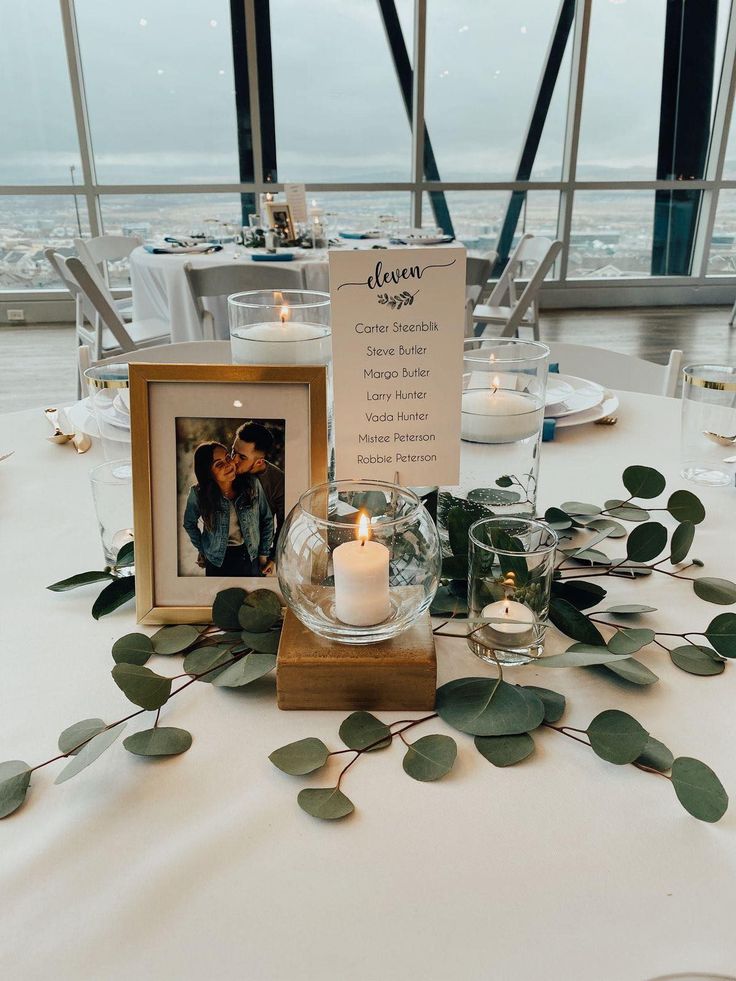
[(514, 626), (361, 579), (281, 342), (496, 415)]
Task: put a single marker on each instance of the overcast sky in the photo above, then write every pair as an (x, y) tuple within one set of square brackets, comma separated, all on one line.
[(159, 85)]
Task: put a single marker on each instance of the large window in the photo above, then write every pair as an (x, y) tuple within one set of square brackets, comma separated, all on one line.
[(599, 122)]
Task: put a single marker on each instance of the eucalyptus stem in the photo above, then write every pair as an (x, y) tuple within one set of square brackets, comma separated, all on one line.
[(366, 749), (568, 730)]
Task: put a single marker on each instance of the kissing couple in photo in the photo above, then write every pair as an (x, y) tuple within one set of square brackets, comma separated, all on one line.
[(236, 509)]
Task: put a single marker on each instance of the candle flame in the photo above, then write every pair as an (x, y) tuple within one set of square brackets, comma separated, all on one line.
[(284, 313), (363, 528), (506, 608), (492, 357), (495, 384), (269, 196)]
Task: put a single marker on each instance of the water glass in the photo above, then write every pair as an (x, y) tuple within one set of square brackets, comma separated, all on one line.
[(709, 424), (109, 397), (112, 493), (511, 564)]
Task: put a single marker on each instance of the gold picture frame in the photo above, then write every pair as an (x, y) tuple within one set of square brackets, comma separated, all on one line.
[(279, 217), (164, 398)]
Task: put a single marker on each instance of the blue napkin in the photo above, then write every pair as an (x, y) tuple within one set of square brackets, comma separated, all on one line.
[(273, 257), (555, 368), (548, 430), (353, 235)]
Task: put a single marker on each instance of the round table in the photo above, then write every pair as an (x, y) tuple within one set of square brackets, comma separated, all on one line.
[(564, 867), (160, 288)]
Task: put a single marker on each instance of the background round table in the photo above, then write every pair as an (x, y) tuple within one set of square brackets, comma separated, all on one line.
[(562, 868)]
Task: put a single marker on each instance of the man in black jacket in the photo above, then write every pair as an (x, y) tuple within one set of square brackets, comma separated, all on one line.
[(251, 447)]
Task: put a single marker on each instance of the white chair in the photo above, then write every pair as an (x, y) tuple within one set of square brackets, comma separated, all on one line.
[(614, 370), (477, 273), (97, 252), (508, 309), (220, 281)]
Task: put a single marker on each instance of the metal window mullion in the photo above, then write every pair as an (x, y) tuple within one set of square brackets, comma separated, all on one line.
[(718, 148), (255, 101), (417, 116), (81, 115), (572, 129)]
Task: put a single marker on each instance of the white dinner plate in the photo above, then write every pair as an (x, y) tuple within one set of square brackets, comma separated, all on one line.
[(557, 391), (605, 408), (586, 394), (81, 418), (427, 239)]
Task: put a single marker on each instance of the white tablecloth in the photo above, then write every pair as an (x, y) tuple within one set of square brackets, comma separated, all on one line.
[(563, 868)]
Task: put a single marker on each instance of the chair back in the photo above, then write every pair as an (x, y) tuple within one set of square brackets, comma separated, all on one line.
[(60, 264), (95, 253), (614, 370), (100, 303), (214, 281), (185, 352), (528, 296)]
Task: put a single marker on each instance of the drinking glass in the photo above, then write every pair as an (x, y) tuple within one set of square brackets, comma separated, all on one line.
[(109, 397), (709, 424), (112, 493)]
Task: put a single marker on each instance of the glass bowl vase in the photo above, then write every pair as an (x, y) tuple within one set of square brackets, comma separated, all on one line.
[(358, 561)]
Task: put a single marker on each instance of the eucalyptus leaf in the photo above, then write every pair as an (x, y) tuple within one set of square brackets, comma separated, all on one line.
[(493, 495), (719, 591), (577, 508), (303, 756), (505, 750), (631, 670), (488, 707), (455, 567), (261, 610), (445, 604), (682, 539), (697, 660), (592, 555), (598, 537), (698, 789), (430, 757), (246, 670), (327, 803), (133, 648), (629, 640), (614, 528), (204, 660), (459, 521), (264, 643), (115, 594), (582, 595), (91, 750), (683, 505), (632, 570), (573, 623), (646, 541), (15, 776), (175, 639), (656, 755), (226, 607), (504, 481), (515, 563), (644, 482), (554, 703), (578, 656), (141, 685), (624, 609), (617, 737), (126, 556), (556, 518), (721, 634), (159, 741), (81, 732), (361, 730), (81, 579), (625, 511)]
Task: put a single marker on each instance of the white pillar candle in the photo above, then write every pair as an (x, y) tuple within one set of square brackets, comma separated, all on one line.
[(282, 342), (496, 415), (513, 625), (360, 570)]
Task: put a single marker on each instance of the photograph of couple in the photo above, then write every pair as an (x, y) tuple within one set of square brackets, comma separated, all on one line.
[(230, 489)]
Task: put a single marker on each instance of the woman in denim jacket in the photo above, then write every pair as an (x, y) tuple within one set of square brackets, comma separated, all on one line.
[(228, 522)]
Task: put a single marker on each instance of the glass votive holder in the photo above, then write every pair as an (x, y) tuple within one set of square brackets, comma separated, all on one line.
[(511, 564), (280, 327), (504, 385), (709, 424), (358, 561), (109, 398), (112, 493)]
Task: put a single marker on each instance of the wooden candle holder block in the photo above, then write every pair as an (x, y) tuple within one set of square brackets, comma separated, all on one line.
[(398, 674)]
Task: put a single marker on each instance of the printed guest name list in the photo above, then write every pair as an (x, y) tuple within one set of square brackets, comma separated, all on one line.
[(397, 343)]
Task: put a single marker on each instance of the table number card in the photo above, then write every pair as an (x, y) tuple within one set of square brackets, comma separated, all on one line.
[(296, 198), (397, 341)]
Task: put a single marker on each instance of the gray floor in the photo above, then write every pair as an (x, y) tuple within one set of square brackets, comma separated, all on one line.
[(37, 364)]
